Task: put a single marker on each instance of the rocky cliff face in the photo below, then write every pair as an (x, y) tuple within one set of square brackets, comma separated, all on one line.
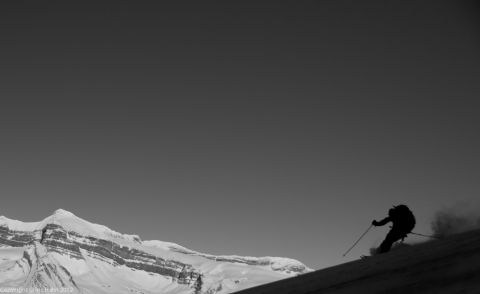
[(66, 251), (55, 238)]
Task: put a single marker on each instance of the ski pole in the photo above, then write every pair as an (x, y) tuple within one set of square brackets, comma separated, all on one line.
[(358, 240), (427, 236)]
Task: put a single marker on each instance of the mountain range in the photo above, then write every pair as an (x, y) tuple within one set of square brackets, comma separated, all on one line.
[(64, 253)]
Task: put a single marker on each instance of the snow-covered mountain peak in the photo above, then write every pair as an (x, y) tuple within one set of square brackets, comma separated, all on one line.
[(71, 222), (63, 213)]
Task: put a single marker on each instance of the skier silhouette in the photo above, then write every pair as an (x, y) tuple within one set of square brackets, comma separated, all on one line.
[(403, 223)]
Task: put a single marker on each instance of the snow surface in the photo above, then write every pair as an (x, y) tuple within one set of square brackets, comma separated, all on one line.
[(450, 265)]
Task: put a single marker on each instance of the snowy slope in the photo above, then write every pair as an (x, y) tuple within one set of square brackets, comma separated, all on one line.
[(66, 252), (447, 266)]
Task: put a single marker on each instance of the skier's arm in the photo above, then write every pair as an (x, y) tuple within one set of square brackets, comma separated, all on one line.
[(382, 222)]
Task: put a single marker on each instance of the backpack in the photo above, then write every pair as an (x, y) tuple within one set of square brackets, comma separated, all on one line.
[(405, 217)]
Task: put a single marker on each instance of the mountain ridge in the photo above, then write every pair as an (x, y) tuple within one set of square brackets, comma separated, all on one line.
[(63, 249)]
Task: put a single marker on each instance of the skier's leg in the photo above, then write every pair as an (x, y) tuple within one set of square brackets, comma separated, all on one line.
[(386, 245)]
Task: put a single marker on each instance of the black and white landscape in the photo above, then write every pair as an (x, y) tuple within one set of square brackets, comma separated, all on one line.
[(235, 128)]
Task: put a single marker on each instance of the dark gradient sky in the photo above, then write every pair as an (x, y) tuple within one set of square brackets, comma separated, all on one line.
[(246, 128)]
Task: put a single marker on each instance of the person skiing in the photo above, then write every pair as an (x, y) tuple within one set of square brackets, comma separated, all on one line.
[(403, 223)]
